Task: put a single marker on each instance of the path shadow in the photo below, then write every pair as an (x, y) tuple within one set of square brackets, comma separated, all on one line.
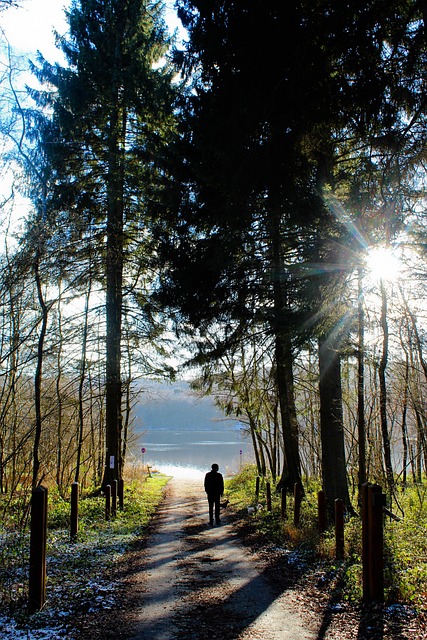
[(205, 610)]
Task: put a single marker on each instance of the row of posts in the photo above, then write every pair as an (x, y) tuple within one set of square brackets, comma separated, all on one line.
[(373, 509), (38, 535)]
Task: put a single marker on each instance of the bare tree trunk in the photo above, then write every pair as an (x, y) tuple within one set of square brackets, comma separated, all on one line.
[(59, 475), (127, 399), (334, 471), (291, 474), (416, 333), (419, 450), (404, 426), (38, 376), (114, 295), (82, 379), (8, 400), (257, 454), (261, 454), (361, 424), (383, 391)]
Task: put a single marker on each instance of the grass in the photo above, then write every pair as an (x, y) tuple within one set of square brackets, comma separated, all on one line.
[(405, 542), (78, 573)]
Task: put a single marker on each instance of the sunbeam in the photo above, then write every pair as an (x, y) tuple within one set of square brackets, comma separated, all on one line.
[(382, 263)]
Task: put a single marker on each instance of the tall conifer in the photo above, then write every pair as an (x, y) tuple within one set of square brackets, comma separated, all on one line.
[(282, 88), (109, 113)]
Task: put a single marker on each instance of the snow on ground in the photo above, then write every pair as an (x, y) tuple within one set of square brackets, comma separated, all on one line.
[(79, 582)]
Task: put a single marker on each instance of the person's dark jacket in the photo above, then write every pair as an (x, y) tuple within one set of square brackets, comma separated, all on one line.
[(214, 483)]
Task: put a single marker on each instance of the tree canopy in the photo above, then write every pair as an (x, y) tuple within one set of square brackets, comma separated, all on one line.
[(240, 211), (109, 114)]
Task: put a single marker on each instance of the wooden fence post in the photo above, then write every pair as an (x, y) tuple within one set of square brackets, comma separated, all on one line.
[(74, 519), (38, 536), (283, 504), (339, 529), (268, 491), (365, 540), (321, 511), (108, 502), (376, 502), (121, 494), (257, 490), (114, 491), (297, 503)]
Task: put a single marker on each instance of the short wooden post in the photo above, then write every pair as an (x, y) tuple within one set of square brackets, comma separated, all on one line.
[(321, 511), (297, 503), (365, 540), (38, 536), (268, 492), (114, 491), (283, 504), (257, 489), (74, 518), (121, 494), (376, 502), (108, 502), (339, 529)]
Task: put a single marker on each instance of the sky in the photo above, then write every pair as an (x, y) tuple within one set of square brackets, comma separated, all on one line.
[(29, 28)]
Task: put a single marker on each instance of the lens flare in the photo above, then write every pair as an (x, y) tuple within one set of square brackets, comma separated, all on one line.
[(383, 264)]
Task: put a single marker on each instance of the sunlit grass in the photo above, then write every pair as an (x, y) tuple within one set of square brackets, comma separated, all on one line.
[(78, 573), (405, 548)]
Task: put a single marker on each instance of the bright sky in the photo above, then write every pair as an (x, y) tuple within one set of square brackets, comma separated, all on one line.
[(29, 28)]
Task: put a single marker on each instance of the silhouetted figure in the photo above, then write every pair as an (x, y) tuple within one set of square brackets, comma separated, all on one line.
[(214, 487)]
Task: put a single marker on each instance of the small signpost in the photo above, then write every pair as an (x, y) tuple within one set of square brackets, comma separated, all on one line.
[(143, 451)]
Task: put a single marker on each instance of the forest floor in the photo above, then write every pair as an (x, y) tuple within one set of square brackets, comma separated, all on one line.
[(190, 581)]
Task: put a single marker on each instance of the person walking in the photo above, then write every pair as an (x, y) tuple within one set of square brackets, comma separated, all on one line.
[(214, 487)]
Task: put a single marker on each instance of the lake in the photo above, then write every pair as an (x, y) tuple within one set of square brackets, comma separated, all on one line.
[(192, 450)]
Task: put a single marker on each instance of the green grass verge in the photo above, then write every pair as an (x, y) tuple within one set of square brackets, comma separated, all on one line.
[(79, 572), (405, 542)]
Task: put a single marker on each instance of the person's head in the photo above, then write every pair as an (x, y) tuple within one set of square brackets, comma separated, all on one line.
[(215, 467)]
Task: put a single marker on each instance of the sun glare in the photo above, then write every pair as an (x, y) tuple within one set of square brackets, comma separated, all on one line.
[(383, 264)]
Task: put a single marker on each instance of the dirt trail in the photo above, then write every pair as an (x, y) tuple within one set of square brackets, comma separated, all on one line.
[(198, 582)]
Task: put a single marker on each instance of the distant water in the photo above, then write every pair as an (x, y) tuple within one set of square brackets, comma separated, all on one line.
[(194, 450)]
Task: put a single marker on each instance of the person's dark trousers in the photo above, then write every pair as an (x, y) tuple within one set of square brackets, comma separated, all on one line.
[(214, 500)]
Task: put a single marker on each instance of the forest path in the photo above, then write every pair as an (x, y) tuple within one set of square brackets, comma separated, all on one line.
[(196, 582)]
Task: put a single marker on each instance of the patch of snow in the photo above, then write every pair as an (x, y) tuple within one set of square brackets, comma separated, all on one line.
[(294, 558), (400, 611), (9, 630)]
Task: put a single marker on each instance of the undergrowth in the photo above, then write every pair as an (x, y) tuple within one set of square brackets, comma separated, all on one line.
[(405, 541), (79, 572)]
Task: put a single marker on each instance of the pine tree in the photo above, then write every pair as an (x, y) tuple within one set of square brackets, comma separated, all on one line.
[(289, 98), (254, 198), (109, 114)]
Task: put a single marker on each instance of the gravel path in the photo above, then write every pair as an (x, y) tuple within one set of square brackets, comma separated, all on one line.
[(199, 582)]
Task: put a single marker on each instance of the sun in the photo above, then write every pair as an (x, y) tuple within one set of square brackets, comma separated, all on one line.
[(382, 263)]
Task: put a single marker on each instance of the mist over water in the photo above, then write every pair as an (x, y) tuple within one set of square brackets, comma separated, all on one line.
[(183, 433)]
